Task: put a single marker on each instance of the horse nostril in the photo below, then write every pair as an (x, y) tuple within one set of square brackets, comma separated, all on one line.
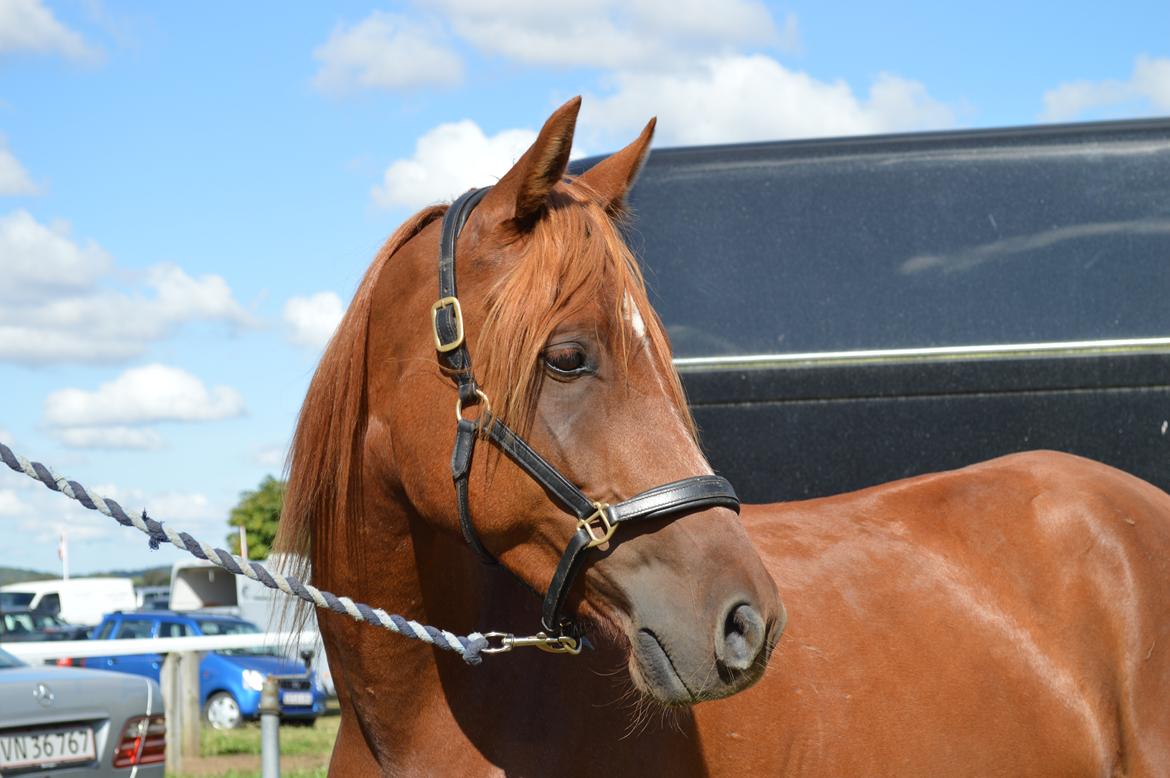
[(742, 637)]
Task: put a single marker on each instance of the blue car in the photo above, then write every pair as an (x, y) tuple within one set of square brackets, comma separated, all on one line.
[(230, 680)]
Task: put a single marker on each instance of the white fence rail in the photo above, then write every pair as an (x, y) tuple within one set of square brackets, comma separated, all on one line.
[(40, 652)]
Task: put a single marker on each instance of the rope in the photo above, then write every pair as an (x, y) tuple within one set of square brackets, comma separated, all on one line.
[(468, 647)]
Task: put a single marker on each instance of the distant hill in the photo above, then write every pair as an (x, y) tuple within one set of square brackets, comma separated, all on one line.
[(14, 574), (148, 576)]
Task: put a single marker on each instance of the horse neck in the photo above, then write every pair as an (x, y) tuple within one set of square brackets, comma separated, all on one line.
[(385, 555), (389, 556)]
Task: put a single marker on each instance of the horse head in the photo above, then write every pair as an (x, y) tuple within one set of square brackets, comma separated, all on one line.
[(569, 354)]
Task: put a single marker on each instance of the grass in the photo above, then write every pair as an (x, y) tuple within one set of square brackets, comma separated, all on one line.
[(317, 773), (235, 753), (294, 740)]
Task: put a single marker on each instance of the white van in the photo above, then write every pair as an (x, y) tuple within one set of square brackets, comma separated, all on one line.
[(199, 585), (81, 601)]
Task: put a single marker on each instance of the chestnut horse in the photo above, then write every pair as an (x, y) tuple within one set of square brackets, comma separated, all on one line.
[(1010, 618)]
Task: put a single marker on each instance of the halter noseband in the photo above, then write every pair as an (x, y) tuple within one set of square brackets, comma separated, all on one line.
[(596, 521)]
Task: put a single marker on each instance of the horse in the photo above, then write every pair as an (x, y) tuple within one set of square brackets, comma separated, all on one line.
[(1008, 618)]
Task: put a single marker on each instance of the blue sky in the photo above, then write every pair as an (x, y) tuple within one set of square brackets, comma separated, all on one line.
[(189, 193)]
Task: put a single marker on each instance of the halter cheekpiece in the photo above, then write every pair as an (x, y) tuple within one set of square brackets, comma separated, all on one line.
[(596, 521)]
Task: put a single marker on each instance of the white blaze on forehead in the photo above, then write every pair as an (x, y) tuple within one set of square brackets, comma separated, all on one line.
[(689, 456), (634, 316)]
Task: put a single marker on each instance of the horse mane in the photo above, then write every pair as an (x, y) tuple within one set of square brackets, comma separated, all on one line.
[(571, 258), (327, 446)]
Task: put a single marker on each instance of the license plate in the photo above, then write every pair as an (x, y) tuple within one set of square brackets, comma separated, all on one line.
[(297, 698), (47, 747)]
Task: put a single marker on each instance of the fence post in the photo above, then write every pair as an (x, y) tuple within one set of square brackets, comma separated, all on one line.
[(180, 690), (171, 683), (192, 716), (270, 729)]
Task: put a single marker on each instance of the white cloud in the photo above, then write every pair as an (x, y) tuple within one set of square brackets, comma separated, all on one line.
[(788, 36), (185, 506), (312, 320), (26, 25), (272, 456), (206, 297), (447, 161), (40, 514), (168, 505), (61, 301), (140, 395), (14, 179), (743, 98), (121, 437), (637, 34), (10, 504), (116, 414), (1146, 91), (39, 257), (384, 51)]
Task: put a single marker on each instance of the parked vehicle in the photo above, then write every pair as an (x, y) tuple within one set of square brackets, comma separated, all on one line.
[(152, 598), (197, 585), (849, 312), (80, 601), (230, 680), (21, 625), (79, 722)]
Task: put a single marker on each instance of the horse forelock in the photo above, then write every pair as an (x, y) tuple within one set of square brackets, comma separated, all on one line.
[(573, 257)]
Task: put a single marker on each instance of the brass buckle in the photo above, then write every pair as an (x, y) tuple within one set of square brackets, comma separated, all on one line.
[(484, 413), (440, 304), (598, 526), (560, 644)]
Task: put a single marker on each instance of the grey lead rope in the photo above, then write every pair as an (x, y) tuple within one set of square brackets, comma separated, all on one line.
[(469, 647)]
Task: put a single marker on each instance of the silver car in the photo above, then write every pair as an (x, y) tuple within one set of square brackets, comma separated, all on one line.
[(78, 721)]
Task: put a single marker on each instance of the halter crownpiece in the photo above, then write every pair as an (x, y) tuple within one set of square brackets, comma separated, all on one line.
[(597, 522)]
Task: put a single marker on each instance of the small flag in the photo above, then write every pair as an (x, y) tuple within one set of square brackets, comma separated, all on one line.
[(63, 555)]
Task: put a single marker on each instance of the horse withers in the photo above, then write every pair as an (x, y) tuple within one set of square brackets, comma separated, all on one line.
[(1010, 618)]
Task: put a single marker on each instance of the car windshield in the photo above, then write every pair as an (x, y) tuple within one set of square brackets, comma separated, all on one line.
[(8, 661), (9, 600), (224, 627), (219, 627)]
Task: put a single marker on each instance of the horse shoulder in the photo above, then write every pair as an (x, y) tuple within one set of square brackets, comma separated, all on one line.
[(1050, 569)]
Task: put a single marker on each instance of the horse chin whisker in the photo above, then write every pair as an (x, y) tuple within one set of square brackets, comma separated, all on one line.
[(609, 673), (642, 708), (640, 720)]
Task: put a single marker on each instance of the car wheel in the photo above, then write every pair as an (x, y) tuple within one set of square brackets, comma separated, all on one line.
[(222, 711)]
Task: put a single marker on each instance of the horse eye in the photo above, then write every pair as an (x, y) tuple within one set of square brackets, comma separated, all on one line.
[(565, 360)]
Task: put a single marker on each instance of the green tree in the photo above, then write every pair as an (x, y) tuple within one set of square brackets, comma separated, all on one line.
[(258, 512)]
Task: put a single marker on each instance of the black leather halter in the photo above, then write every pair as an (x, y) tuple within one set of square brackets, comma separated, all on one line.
[(596, 521)]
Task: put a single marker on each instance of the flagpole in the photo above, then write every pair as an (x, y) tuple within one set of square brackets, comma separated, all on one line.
[(63, 552)]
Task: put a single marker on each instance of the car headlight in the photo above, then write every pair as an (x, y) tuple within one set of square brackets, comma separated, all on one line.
[(254, 680)]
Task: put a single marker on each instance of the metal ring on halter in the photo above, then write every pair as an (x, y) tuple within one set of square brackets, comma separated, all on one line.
[(598, 526), (485, 412)]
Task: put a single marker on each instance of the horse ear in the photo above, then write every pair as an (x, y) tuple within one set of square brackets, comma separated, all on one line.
[(613, 176), (525, 188)]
